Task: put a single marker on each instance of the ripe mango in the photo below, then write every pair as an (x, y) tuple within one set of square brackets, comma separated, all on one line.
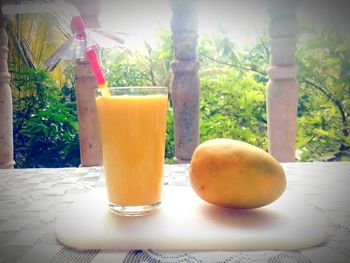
[(235, 174)]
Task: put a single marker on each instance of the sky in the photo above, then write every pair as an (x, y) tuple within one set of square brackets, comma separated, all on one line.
[(143, 18), (244, 19)]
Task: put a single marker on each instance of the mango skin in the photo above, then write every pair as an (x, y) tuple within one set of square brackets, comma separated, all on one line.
[(235, 174)]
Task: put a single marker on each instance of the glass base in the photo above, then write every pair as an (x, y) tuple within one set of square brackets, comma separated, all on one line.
[(134, 210)]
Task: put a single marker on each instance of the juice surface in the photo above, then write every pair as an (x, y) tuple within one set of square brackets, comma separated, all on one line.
[(133, 138)]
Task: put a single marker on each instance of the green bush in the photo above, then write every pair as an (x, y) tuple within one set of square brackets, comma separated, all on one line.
[(323, 80), (45, 123), (233, 107), (324, 96), (232, 104)]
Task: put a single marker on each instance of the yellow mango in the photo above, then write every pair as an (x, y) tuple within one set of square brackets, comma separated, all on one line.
[(235, 174)]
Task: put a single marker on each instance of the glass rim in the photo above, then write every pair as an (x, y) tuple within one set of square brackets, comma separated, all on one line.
[(132, 90), (133, 87)]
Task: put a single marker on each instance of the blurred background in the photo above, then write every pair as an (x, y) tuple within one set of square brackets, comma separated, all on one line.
[(233, 52)]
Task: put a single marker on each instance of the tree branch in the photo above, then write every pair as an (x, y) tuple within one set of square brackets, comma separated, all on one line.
[(267, 50), (232, 65), (334, 100)]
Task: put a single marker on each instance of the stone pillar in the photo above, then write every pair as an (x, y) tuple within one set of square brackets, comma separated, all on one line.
[(185, 86), (85, 85), (282, 89), (6, 114)]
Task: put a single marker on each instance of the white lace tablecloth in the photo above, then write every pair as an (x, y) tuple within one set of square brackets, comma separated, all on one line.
[(31, 200)]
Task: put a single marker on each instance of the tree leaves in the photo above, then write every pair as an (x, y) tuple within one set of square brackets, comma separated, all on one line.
[(232, 104), (323, 62), (45, 123)]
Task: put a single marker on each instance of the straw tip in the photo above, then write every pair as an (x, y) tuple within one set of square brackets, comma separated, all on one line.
[(90, 49)]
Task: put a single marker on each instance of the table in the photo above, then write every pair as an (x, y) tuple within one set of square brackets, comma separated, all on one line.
[(31, 200)]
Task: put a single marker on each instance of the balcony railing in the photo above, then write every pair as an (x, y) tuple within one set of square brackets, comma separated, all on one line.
[(282, 94)]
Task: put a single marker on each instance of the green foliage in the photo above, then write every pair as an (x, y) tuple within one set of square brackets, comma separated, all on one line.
[(233, 107), (45, 124), (218, 52), (170, 144), (232, 103), (323, 61), (233, 84), (148, 66), (323, 115), (124, 75)]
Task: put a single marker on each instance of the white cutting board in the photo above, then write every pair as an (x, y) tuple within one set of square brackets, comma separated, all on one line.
[(187, 222)]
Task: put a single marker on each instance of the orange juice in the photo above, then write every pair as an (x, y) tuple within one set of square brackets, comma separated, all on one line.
[(132, 131)]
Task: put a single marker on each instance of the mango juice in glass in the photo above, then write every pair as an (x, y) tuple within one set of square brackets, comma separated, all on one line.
[(132, 123)]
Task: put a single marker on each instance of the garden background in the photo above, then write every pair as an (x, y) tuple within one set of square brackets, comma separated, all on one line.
[(232, 76)]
